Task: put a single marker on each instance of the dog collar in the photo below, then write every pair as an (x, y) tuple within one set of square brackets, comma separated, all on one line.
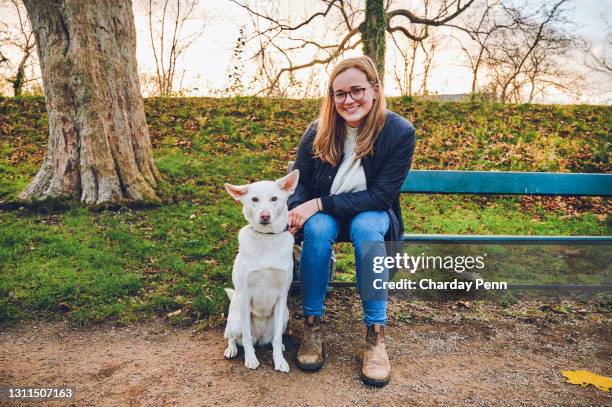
[(271, 233)]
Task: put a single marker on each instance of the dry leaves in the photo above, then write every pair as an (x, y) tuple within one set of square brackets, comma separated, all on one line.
[(584, 378)]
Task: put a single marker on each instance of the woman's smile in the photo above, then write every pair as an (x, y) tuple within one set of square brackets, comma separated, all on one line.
[(352, 110), (350, 85)]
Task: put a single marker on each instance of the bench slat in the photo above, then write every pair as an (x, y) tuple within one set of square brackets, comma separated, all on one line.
[(507, 183), (508, 239)]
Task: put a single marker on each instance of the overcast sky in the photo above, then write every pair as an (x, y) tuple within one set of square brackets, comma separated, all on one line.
[(206, 63)]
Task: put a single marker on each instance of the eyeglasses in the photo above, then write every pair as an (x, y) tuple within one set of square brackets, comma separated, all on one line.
[(356, 94)]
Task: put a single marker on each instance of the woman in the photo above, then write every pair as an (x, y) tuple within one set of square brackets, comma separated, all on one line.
[(352, 161)]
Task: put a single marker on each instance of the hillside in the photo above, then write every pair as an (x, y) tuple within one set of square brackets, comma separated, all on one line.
[(84, 265)]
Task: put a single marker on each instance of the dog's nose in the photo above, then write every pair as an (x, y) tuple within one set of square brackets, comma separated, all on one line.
[(264, 216)]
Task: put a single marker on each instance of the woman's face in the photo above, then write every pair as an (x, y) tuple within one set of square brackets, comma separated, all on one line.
[(353, 82)]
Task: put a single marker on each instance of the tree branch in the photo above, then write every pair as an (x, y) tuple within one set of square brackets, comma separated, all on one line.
[(284, 27), (292, 68), (407, 33), (427, 21)]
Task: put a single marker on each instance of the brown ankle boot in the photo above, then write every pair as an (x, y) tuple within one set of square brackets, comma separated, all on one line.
[(310, 354), (376, 369)]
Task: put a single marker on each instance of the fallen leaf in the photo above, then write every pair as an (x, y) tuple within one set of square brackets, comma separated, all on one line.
[(465, 304), (584, 378)]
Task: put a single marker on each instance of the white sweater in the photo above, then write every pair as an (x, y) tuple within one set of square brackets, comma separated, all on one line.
[(350, 176)]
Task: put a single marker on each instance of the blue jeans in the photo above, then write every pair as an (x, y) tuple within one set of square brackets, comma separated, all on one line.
[(320, 233)]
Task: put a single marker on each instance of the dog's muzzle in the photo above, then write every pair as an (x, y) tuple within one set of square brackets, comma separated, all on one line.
[(264, 218)]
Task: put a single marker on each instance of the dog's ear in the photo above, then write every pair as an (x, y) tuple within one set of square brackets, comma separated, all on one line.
[(289, 181), (237, 191)]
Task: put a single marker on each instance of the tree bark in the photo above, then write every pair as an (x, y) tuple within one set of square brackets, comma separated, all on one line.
[(373, 31), (99, 149)]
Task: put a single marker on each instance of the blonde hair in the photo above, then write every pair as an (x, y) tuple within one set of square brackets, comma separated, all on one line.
[(331, 131)]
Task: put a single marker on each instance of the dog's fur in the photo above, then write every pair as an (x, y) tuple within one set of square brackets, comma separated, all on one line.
[(263, 271)]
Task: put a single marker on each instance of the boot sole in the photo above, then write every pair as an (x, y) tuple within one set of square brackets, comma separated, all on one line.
[(373, 382), (310, 367)]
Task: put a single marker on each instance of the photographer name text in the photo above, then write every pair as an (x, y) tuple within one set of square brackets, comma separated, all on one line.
[(429, 284)]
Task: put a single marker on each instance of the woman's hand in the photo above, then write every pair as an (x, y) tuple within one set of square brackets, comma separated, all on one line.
[(300, 214)]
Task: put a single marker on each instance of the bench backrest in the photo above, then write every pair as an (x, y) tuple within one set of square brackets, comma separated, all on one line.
[(507, 183)]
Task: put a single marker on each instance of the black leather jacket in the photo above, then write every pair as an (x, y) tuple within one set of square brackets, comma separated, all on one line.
[(385, 172)]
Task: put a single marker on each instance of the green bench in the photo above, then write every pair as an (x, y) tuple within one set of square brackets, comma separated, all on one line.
[(507, 183), (498, 183)]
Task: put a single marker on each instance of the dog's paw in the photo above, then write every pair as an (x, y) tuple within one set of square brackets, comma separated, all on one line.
[(230, 352), (251, 361), (281, 365)]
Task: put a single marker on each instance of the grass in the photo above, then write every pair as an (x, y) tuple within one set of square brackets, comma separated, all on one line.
[(64, 261)]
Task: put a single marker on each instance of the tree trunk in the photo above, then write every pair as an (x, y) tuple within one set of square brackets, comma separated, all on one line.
[(531, 91), (474, 79), (20, 76), (373, 31), (99, 148), (414, 48)]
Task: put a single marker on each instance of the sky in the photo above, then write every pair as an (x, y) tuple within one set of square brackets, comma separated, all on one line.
[(205, 66), (207, 61)]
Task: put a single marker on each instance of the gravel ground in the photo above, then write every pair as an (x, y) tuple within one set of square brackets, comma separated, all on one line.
[(445, 354)]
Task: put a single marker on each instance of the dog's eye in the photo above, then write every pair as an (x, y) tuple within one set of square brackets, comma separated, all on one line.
[(274, 199), (255, 199)]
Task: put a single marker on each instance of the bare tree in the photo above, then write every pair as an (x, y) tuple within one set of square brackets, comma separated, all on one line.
[(21, 39), (408, 50), (236, 73), (347, 24), (547, 65), (429, 47), (602, 61), (528, 55), (166, 22), (405, 75), (99, 149), (481, 26)]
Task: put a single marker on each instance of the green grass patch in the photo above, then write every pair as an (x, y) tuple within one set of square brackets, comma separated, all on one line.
[(173, 260)]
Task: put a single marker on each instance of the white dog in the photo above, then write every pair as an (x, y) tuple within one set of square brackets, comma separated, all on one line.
[(263, 271)]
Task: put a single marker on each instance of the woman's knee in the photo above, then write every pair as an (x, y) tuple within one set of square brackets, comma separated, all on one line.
[(370, 225), (321, 226)]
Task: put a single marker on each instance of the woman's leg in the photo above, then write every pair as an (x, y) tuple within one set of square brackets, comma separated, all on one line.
[(320, 232), (367, 233)]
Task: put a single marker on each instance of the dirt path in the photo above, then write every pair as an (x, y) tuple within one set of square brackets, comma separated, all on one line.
[(449, 355)]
